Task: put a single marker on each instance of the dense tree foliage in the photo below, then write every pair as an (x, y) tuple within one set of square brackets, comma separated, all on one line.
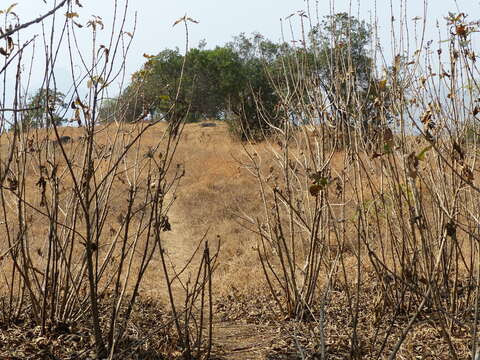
[(346, 73), (43, 108), (244, 81)]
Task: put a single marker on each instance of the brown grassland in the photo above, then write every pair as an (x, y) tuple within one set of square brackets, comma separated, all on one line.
[(219, 200)]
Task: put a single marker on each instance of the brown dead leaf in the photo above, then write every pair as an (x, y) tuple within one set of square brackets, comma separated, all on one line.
[(315, 189), (458, 153), (412, 165), (467, 174)]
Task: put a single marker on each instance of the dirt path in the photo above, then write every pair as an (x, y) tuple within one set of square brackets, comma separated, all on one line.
[(241, 341), (180, 244), (231, 340)]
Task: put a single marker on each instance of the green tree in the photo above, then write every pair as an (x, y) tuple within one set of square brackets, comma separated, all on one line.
[(345, 68), (216, 79), (343, 47), (44, 108), (154, 87), (244, 80), (255, 104), (227, 82), (215, 83)]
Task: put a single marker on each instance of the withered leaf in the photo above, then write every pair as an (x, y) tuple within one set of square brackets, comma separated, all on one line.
[(461, 30), (412, 165), (71, 15), (10, 8), (451, 228), (426, 117), (192, 20), (10, 43), (315, 189), (459, 154), (179, 20), (467, 174), (12, 184), (476, 110), (165, 224), (120, 218), (41, 183), (338, 188)]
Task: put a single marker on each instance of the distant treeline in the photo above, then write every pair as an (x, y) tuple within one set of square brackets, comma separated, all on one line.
[(245, 80)]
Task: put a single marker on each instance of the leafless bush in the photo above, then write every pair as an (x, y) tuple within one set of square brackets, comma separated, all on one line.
[(342, 206), (93, 254)]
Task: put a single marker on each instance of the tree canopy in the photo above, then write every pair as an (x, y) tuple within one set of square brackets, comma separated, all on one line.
[(243, 81), (43, 109)]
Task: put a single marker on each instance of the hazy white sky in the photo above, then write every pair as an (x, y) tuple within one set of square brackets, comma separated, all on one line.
[(220, 20)]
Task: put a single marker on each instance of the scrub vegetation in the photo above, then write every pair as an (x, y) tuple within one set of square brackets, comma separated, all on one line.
[(315, 198)]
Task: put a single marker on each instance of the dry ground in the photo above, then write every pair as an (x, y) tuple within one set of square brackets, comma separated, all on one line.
[(216, 189)]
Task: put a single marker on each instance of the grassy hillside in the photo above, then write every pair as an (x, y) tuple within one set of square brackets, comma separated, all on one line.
[(219, 199)]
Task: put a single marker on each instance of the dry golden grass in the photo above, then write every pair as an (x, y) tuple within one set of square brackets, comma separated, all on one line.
[(215, 193), (214, 189)]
